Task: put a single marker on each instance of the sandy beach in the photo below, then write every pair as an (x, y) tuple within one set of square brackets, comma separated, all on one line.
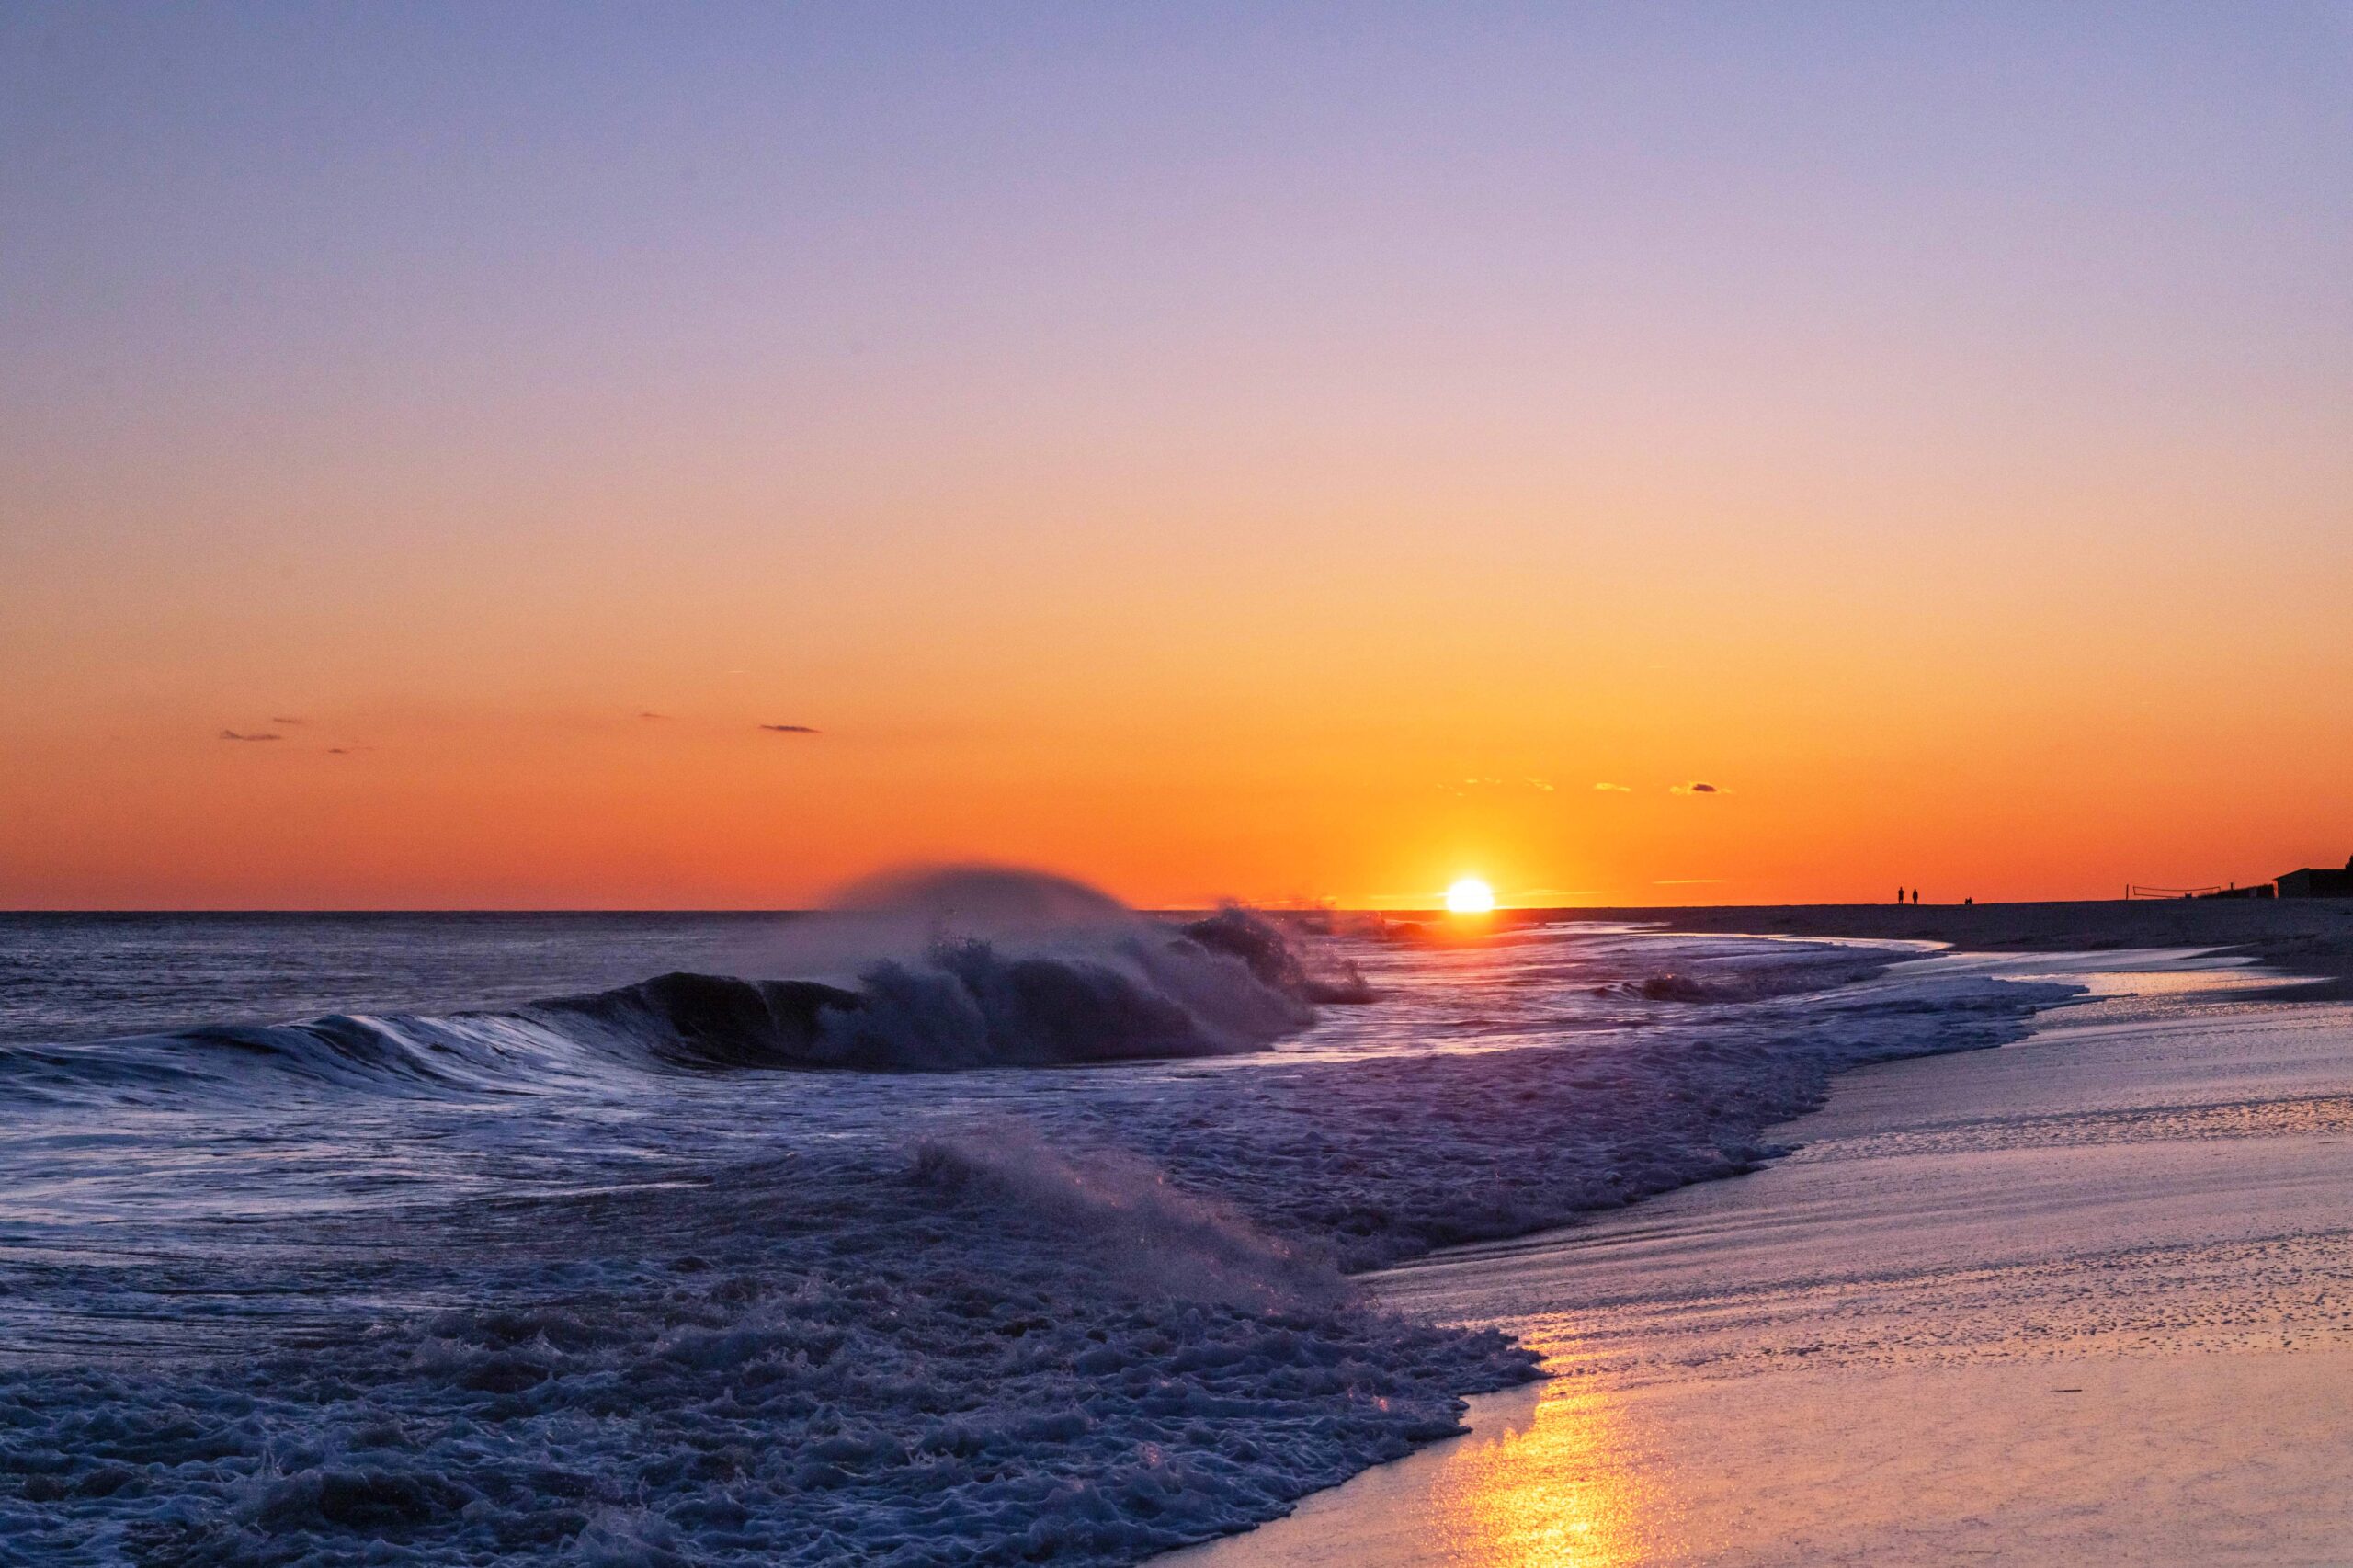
[(2084, 1298), (2306, 937)]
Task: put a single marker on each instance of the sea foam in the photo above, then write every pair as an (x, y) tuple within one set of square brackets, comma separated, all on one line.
[(593, 1280)]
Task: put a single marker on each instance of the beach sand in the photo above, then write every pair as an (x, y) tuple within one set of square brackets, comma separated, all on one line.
[(2086, 1298), (2311, 938)]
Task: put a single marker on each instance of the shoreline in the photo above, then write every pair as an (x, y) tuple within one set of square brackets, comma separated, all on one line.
[(2299, 937), (1627, 1357), (1387, 1145)]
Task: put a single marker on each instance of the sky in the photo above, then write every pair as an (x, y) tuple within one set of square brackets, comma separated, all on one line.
[(1269, 452)]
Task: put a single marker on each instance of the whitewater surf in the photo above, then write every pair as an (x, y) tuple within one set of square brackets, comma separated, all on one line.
[(978, 1220)]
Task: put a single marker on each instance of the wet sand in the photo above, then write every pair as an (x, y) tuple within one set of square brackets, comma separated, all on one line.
[(2299, 937), (2086, 1298)]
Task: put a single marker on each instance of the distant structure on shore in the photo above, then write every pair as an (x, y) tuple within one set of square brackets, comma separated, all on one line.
[(2312, 881), (2145, 889), (2315, 881)]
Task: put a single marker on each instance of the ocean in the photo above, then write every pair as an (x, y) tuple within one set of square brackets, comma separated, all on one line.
[(979, 1220)]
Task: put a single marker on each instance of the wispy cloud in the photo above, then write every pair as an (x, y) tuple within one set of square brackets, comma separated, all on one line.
[(1463, 786), (294, 721), (653, 715), (1696, 789), (791, 729), (1616, 788), (1688, 881), (235, 735)]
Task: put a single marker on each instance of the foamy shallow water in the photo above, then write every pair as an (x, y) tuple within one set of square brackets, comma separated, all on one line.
[(512, 1286), (2084, 1299)]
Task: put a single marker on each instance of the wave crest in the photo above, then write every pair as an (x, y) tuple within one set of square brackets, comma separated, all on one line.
[(1216, 987), (969, 967)]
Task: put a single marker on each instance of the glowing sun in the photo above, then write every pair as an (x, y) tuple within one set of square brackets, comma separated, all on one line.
[(1470, 896)]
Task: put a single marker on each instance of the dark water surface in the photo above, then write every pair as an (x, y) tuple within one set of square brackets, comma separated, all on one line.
[(331, 1238), (65, 977)]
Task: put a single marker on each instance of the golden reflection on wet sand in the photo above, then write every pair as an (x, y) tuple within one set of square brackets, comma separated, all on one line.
[(1548, 1477), (1555, 1490)]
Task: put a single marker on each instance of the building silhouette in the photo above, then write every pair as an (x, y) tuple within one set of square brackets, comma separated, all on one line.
[(2315, 881)]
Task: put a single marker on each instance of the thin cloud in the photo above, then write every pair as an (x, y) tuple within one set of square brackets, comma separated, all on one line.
[(296, 721), (1617, 789), (791, 729), (1688, 881), (653, 715), (233, 735), (1542, 786), (1696, 789)]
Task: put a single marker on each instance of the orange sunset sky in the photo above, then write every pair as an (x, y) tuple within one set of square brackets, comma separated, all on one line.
[(1207, 453)]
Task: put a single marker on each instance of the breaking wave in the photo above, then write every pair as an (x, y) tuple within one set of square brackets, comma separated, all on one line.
[(585, 1280), (939, 972), (1213, 987)]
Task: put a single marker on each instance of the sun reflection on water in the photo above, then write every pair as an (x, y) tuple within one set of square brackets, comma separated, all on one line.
[(1555, 1489), (1569, 1473)]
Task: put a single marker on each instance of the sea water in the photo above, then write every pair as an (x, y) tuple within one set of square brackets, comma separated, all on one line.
[(985, 1220)]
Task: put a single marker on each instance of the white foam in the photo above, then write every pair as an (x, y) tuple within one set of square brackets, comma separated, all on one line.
[(741, 1317)]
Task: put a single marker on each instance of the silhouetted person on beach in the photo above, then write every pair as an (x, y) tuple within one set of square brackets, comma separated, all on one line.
[(1899, 895), (1916, 898)]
